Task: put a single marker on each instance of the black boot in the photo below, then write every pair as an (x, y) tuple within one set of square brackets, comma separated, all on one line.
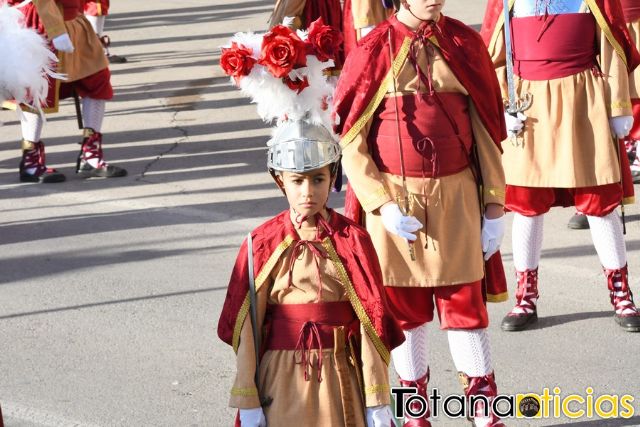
[(33, 159), (92, 149)]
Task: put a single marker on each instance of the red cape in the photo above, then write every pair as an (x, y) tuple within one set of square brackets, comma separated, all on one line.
[(608, 15), (368, 65), (354, 250)]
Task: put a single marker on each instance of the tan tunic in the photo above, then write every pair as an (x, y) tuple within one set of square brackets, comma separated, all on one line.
[(282, 379), (634, 78), (566, 141), (366, 13), (448, 249), (88, 57)]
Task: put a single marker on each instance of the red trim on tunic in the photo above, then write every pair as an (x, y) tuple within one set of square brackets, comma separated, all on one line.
[(432, 147), (553, 46), (458, 306), (600, 200)]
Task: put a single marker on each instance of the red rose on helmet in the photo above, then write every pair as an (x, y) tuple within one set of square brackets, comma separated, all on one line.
[(325, 40), (282, 51), (236, 61)]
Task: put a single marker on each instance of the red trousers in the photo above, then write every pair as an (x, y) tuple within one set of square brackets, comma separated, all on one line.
[(459, 306), (596, 201)]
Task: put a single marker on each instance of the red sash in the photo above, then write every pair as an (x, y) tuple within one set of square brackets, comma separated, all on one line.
[(308, 326), (435, 142), (553, 46)]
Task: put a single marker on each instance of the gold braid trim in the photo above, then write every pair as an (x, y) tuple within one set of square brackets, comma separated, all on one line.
[(260, 279), (498, 297), (499, 26), (244, 392), (629, 200), (242, 314), (377, 388), (379, 96), (602, 22), (355, 301)]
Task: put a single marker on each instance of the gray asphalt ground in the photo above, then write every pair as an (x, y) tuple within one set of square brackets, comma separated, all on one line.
[(110, 290)]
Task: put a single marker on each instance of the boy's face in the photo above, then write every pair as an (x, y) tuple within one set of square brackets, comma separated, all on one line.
[(426, 9), (307, 192)]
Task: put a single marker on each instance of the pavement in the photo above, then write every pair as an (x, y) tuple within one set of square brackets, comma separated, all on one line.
[(110, 290)]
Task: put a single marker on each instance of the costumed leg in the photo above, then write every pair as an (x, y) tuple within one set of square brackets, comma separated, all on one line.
[(608, 239), (33, 166), (472, 357), (412, 366), (95, 90), (527, 246)]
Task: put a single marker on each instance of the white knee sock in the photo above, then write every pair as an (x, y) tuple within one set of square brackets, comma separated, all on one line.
[(470, 351), (527, 241), (93, 113), (410, 358), (31, 125), (606, 232), (97, 22)]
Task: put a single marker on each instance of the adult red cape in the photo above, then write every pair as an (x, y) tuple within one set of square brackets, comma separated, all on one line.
[(608, 15), (348, 244), (363, 84)]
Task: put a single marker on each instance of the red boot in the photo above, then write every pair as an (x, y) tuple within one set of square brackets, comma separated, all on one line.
[(421, 385), (481, 386), (33, 167), (626, 313), (91, 160), (524, 313)]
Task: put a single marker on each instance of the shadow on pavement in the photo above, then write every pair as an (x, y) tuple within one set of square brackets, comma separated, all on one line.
[(120, 301), (550, 321)]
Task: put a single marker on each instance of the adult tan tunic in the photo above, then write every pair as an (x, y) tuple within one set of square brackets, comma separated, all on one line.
[(448, 250), (88, 56), (566, 141), (634, 77), (318, 403), (365, 13)]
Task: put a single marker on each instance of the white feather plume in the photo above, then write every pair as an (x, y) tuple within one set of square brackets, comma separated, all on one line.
[(275, 100), (26, 60)]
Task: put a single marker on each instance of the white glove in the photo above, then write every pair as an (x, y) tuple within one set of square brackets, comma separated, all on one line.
[(621, 125), (63, 43), (366, 30), (252, 418), (492, 234), (399, 224), (514, 123), (380, 416)]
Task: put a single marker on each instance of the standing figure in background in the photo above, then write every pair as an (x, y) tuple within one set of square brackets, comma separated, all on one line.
[(420, 119), (571, 58), (631, 10), (96, 12), (354, 22), (82, 60)]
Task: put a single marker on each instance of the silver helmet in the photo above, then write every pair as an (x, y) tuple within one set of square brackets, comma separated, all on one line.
[(300, 146)]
